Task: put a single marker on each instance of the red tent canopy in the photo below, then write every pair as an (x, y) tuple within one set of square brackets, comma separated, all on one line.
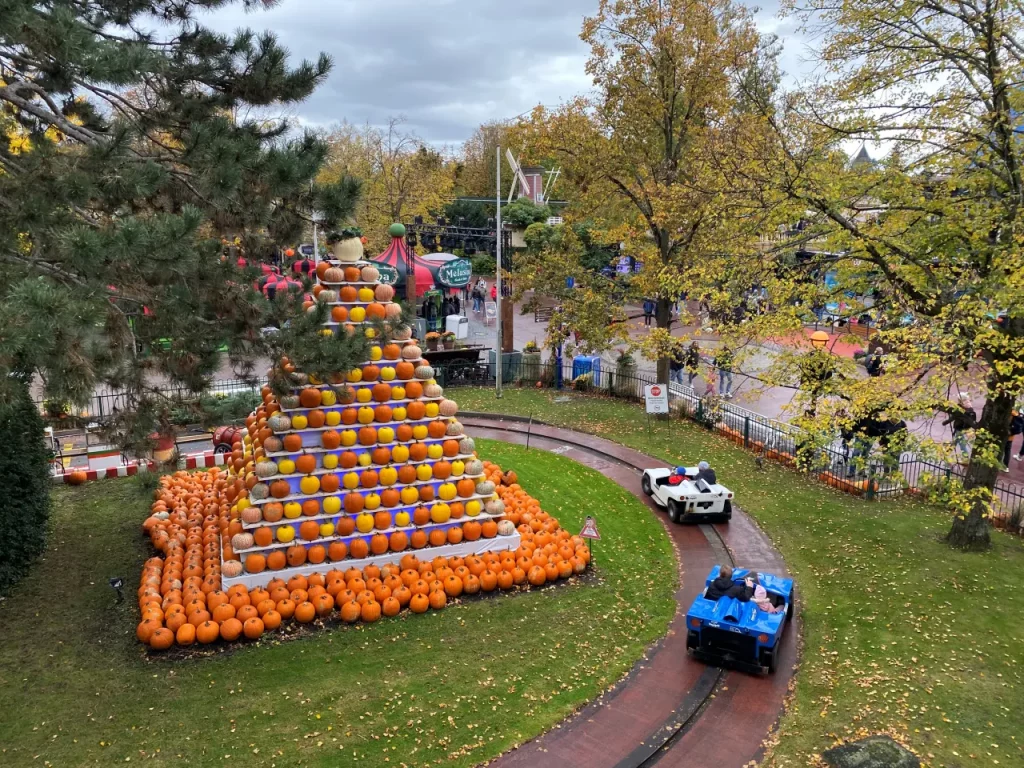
[(396, 257)]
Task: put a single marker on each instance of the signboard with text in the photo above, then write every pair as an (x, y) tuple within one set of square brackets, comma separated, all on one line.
[(455, 273), (656, 398)]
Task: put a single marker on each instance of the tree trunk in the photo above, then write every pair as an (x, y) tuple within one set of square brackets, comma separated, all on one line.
[(663, 319), (971, 531)]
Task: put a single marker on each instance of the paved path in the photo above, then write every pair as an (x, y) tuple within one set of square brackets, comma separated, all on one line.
[(669, 710)]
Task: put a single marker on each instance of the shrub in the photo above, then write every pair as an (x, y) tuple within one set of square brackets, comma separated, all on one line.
[(24, 485)]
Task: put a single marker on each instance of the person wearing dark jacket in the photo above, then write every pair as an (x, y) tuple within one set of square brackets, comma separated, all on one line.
[(724, 586), (962, 420), (874, 363), (1016, 428), (706, 473)]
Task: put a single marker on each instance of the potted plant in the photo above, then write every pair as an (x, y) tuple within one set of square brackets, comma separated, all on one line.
[(531, 361), (433, 338), (448, 340)]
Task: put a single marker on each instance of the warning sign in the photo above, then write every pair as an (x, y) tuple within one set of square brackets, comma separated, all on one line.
[(656, 398), (590, 529)]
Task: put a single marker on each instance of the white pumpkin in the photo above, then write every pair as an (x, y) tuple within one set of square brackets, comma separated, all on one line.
[(424, 372), (279, 422), (412, 352), (495, 507), (474, 467), (392, 311), (327, 296), (433, 390), (231, 569), (466, 446), (251, 515), (242, 541), (455, 429), (506, 528), (448, 407), (484, 487), (349, 250), (273, 444), (383, 292), (259, 492), (334, 275), (290, 401), (266, 468), (370, 274), (403, 334)]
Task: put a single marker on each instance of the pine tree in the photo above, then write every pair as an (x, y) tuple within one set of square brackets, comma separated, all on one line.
[(126, 156)]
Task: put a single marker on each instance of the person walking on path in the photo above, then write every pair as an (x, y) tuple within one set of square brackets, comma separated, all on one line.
[(962, 419), (724, 362), (692, 363), (494, 292), (874, 363), (648, 312), (1016, 428), (675, 367)]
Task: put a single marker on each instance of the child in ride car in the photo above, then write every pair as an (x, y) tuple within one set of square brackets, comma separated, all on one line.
[(760, 598)]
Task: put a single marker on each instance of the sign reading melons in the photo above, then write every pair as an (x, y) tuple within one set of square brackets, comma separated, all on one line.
[(656, 398)]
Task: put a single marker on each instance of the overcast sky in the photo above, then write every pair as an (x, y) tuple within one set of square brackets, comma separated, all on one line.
[(446, 65)]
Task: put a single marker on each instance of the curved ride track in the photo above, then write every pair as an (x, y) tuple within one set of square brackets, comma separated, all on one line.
[(670, 710)]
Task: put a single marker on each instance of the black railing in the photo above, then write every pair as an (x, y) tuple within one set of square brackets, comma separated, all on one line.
[(874, 472)]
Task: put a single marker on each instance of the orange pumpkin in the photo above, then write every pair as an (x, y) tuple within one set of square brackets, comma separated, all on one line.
[(407, 474), (371, 372), (296, 556), (489, 528), (306, 463), (403, 433), (230, 630), (330, 483), (348, 459), (339, 314), (375, 311), (350, 612), (404, 370), (437, 537), (442, 470), (418, 539), (438, 429), (352, 274), (337, 550), (449, 447), (345, 525), (398, 541), (379, 544), (391, 351), (310, 398), (382, 519), (381, 456), (280, 488), (292, 443), (348, 294), (330, 439), (381, 392), (438, 599), (419, 603), (415, 410), (273, 512), (465, 487), (349, 416), (309, 530), (454, 535), (367, 436), (417, 451), (358, 548), (370, 611), (354, 503), (414, 390)]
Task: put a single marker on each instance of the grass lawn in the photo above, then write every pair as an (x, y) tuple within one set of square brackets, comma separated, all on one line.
[(901, 634), (454, 687)]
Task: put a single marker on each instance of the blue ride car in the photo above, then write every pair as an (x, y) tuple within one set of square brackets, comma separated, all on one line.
[(730, 631)]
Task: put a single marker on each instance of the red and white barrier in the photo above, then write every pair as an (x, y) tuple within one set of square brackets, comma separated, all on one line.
[(202, 460), (123, 470)]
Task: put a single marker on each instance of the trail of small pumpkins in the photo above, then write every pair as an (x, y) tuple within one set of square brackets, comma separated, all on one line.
[(181, 601)]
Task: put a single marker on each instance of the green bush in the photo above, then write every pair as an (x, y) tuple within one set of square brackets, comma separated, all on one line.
[(24, 486), (483, 264)]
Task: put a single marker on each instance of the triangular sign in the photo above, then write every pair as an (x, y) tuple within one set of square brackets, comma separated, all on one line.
[(590, 530)]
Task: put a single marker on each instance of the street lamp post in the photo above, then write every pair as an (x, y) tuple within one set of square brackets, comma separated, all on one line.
[(819, 339)]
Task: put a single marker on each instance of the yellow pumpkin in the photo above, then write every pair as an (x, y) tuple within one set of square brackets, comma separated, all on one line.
[(400, 454), (332, 505), (310, 484), (330, 460), (446, 492), (473, 507), (350, 480), (328, 397), (376, 353), (364, 395), (333, 418), (354, 376), (419, 432), (440, 513), (402, 519), (398, 413), (410, 495), (388, 476), (387, 374), (349, 438), (285, 534), (286, 466), (458, 468), (435, 451), (385, 435), (432, 410), (326, 529), (364, 523), (398, 392), (299, 421), (365, 415), (292, 510), (372, 501), (357, 314), (424, 472)]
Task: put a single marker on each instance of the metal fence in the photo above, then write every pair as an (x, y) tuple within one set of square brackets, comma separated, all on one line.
[(865, 471), (872, 472)]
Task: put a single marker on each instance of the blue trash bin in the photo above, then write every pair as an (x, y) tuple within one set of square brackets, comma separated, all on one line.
[(583, 364)]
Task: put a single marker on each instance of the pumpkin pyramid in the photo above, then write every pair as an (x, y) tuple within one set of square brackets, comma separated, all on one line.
[(359, 473)]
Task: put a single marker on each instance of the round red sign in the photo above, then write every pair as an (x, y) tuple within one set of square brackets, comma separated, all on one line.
[(655, 391)]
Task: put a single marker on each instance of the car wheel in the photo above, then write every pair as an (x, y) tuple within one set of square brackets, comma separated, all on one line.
[(768, 661), (222, 448), (727, 512), (645, 485), (674, 513), (789, 608)]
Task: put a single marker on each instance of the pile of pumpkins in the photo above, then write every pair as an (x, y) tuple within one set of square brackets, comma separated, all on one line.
[(182, 604)]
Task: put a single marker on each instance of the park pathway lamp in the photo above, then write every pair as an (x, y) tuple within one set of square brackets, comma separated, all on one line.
[(819, 339)]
